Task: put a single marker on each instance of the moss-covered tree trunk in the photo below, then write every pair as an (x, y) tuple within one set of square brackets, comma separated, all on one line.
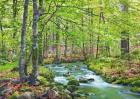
[(41, 10), (14, 17), (23, 43), (35, 70)]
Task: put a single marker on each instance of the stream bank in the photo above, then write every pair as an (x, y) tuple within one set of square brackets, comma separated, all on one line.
[(117, 71), (93, 89)]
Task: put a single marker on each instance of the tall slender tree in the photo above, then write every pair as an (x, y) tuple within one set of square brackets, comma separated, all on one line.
[(35, 70), (23, 43), (124, 34)]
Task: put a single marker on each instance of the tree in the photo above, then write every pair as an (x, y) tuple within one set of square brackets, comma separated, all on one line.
[(35, 70), (23, 43), (124, 34)]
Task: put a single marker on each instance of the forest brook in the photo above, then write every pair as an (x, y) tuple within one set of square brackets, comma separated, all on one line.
[(69, 49)]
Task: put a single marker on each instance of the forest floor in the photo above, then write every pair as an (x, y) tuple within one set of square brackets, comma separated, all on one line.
[(118, 71), (10, 89)]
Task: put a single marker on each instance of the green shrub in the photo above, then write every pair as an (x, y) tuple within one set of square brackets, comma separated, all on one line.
[(14, 96), (43, 80), (47, 73), (3, 62), (73, 81), (136, 83), (72, 88), (135, 89)]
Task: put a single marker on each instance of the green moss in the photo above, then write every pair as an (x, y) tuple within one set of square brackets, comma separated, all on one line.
[(136, 83), (8, 66), (43, 80), (72, 88), (135, 89), (14, 96), (46, 73), (48, 61), (106, 67), (73, 82)]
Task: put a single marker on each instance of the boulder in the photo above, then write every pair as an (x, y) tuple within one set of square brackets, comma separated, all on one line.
[(74, 82), (27, 95), (66, 74), (90, 79), (51, 94), (85, 80), (72, 88), (82, 80), (67, 91)]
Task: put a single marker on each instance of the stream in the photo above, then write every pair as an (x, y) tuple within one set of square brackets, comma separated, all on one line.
[(97, 89)]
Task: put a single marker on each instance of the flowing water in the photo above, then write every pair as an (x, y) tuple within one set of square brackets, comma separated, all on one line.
[(97, 89)]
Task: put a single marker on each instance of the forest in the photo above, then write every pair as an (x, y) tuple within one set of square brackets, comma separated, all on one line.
[(69, 49)]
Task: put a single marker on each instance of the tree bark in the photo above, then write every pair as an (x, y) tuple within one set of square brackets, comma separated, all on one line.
[(57, 58), (66, 47), (124, 43), (3, 52), (57, 45), (97, 48), (14, 16), (41, 10), (35, 70), (23, 43)]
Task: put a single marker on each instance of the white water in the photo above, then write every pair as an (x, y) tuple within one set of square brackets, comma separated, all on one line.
[(97, 89)]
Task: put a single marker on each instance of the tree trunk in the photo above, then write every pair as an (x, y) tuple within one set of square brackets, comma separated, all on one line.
[(66, 47), (41, 10), (40, 59), (84, 53), (97, 48), (124, 43), (23, 43), (35, 71), (14, 16), (45, 45), (3, 52), (58, 55), (57, 58), (124, 34)]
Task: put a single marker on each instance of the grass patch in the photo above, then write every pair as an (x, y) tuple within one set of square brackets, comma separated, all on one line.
[(8, 66)]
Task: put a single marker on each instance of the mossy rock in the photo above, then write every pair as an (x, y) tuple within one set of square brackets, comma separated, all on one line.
[(123, 81), (109, 79), (135, 89), (73, 82), (72, 88), (46, 73), (15, 69), (83, 80), (14, 96), (136, 83), (43, 80)]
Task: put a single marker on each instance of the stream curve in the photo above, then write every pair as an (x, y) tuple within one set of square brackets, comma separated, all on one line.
[(97, 89)]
